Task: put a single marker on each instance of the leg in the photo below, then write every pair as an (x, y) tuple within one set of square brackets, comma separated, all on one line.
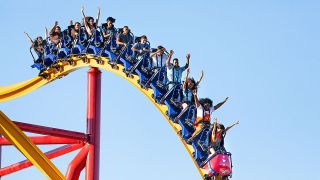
[(196, 133)]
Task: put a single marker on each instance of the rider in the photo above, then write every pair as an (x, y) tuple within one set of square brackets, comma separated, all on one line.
[(39, 47), (89, 23), (217, 135), (158, 58), (141, 48), (174, 71), (188, 87), (56, 29), (204, 110), (124, 39), (109, 33)]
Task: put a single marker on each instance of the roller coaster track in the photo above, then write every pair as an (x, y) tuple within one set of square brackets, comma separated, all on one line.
[(17, 90)]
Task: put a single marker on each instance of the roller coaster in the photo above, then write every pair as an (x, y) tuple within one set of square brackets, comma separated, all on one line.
[(96, 57)]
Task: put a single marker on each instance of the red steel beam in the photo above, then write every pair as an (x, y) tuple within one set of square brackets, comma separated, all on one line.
[(77, 164), (93, 123), (50, 154), (50, 131), (45, 140)]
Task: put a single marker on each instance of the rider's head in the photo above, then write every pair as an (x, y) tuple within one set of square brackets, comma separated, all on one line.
[(125, 29), (143, 39), (206, 103), (91, 21), (57, 29), (77, 26), (191, 84), (110, 21), (160, 50), (175, 62), (39, 40), (220, 127)]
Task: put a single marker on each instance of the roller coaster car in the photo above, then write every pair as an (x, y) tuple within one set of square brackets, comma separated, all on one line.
[(173, 108), (200, 146), (77, 49), (186, 120), (219, 164), (159, 89)]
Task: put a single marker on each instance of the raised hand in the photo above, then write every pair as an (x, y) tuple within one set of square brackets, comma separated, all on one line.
[(171, 52), (188, 56), (202, 74)]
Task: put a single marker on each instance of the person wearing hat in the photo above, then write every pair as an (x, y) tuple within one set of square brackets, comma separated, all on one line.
[(158, 58)]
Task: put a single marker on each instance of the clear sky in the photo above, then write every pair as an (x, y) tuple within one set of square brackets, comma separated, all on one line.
[(263, 54)]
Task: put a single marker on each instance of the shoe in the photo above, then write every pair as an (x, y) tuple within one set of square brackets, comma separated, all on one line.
[(189, 141)]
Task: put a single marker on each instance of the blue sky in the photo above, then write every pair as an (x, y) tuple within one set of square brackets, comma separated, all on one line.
[(264, 55)]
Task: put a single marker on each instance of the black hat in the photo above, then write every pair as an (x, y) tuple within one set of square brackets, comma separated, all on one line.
[(160, 47), (111, 19)]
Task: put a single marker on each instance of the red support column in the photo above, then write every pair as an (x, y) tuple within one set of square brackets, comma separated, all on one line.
[(93, 123)]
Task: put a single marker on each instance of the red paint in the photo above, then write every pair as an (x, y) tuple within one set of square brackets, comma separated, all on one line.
[(77, 164), (93, 123), (50, 154), (45, 140), (50, 131), (220, 164), (90, 153)]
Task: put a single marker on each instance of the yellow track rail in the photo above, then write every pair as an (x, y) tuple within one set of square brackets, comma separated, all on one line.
[(11, 132), (17, 90)]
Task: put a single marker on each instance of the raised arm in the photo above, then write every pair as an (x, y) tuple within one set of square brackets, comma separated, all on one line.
[(85, 22), (229, 127), (154, 53), (46, 33), (217, 106), (134, 48), (201, 77), (54, 27), (196, 101), (169, 58), (165, 51), (29, 38), (214, 127), (98, 17), (186, 80), (187, 61)]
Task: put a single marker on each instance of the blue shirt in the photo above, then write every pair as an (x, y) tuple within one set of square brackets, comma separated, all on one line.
[(188, 95), (140, 46), (174, 74)]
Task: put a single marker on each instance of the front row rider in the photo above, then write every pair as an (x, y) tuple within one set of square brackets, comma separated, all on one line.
[(217, 135)]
